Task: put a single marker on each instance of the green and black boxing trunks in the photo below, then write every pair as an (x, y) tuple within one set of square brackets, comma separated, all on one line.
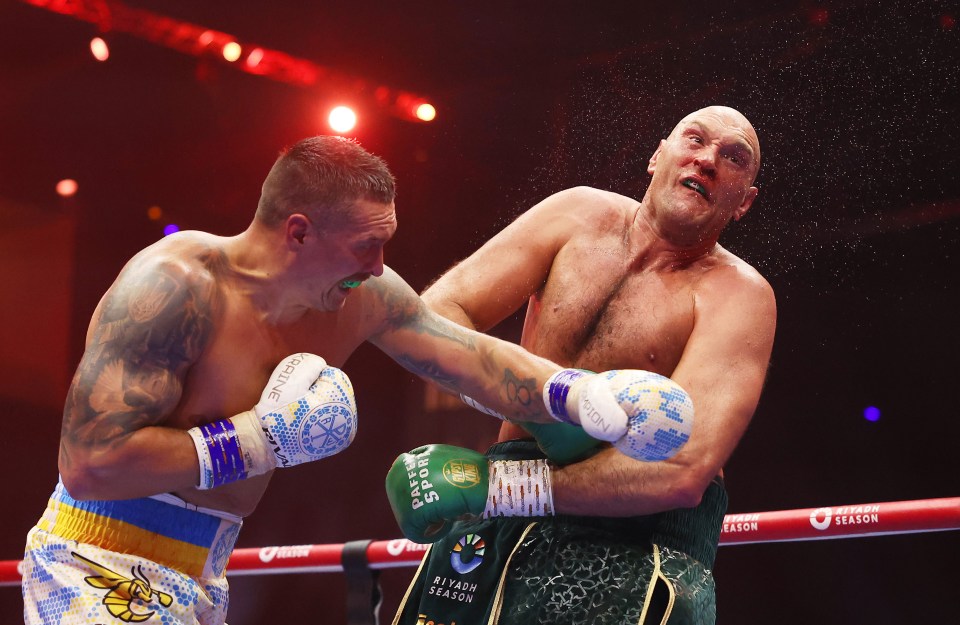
[(569, 569)]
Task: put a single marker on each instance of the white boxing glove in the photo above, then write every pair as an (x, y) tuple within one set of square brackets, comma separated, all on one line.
[(646, 415), (307, 411)]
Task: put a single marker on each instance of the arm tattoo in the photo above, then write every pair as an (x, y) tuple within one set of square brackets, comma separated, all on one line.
[(407, 312), (519, 392), (152, 327), (410, 313), (430, 370)]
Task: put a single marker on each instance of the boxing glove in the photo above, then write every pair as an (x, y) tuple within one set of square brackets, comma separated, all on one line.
[(431, 486), (645, 415), (306, 411), (561, 442)]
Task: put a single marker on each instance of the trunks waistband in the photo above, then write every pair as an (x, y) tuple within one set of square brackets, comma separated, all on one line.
[(164, 529)]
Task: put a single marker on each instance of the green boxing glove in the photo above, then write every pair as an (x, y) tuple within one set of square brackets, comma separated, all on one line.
[(563, 443), (431, 486)]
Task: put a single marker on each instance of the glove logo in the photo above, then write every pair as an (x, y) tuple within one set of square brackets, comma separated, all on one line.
[(467, 554), (327, 430), (461, 473)]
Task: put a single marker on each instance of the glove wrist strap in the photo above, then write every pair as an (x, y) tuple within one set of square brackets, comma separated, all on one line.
[(555, 393), (219, 453), (519, 488)]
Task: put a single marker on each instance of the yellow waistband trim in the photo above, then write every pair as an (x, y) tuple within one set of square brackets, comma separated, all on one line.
[(65, 521)]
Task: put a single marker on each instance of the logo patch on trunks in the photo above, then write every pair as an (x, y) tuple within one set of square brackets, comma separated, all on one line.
[(124, 593), (467, 554)]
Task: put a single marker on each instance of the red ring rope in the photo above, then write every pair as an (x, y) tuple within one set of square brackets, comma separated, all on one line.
[(849, 521)]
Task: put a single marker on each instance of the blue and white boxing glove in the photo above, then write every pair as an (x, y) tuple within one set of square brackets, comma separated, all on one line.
[(645, 415), (306, 412)]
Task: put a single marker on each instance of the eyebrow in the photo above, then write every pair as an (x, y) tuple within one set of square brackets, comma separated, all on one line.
[(738, 142)]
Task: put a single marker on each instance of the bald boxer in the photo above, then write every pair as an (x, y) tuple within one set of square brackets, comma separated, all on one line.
[(213, 360), (610, 283)]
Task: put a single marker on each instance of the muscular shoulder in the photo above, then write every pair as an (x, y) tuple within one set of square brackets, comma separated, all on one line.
[(731, 280), (588, 208), (193, 259), (173, 277)]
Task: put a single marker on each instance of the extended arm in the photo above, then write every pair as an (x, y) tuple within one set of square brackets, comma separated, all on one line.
[(723, 369), (498, 374)]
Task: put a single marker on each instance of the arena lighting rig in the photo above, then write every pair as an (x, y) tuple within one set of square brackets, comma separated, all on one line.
[(114, 16)]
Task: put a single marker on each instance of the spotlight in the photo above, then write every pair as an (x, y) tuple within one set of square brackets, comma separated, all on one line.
[(342, 119), (170, 229), (254, 58), (99, 49), (66, 187), (232, 51), (425, 112)]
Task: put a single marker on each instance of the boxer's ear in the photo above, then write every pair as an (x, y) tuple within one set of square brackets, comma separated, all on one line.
[(297, 228)]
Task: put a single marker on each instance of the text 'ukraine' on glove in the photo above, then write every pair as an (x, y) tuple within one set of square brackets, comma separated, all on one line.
[(432, 486), (306, 411)]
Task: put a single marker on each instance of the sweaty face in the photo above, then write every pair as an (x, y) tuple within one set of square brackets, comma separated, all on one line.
[(703, 172), (346, 255)]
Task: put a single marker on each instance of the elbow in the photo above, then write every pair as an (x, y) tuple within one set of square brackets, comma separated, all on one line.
[(79, 484), (688, 491), (84, 479)]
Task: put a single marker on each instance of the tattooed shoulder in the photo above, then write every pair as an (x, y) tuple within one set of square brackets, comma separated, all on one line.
[(154, 323), (161, 307)]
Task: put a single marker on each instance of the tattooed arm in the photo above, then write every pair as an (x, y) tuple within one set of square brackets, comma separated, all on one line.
[(496, 373), (148, 330)]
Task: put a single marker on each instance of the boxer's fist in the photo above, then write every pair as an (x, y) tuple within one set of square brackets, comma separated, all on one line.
[(306, 411), (431, 486), (561, 442), (434, 484), (646, 415)]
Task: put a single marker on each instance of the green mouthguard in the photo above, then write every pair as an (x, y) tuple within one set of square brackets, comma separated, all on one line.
[(350, 284)]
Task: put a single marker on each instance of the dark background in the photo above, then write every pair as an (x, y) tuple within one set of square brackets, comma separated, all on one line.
[(857, 228)]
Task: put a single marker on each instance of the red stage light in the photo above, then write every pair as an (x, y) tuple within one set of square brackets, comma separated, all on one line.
[(99, 49), (342, 119), (254, 58), (67, 187), (232, 51), (425, 112)]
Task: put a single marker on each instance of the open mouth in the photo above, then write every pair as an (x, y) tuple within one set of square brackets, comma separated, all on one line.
[(349, 284), (690, 183)]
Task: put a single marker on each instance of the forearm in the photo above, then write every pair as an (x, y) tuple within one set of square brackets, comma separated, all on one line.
[(614, 485), (508, 379), (146, 462)]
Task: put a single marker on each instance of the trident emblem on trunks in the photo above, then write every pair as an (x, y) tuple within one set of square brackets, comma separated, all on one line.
[(123, 590)]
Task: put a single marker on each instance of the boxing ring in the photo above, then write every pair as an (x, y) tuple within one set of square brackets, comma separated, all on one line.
[(361, 560)]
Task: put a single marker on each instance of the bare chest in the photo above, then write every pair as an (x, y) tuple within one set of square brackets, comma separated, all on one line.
[(603, 315), (243, 351)]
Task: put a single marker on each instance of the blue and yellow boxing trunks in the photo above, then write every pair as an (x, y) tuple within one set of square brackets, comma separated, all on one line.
[(149, 560)]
